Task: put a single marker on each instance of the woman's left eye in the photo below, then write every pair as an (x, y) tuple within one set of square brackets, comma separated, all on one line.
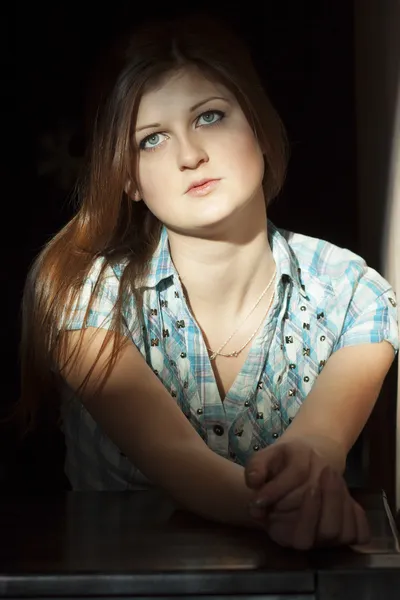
[(211, 116)]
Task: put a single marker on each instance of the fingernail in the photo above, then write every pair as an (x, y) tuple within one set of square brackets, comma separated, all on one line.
[(259, 503)]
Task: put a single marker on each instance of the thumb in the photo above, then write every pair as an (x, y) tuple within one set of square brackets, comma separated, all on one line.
[(263, 465)]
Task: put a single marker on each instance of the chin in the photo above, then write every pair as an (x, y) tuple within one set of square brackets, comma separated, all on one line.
[(218, 218), (222, 224)]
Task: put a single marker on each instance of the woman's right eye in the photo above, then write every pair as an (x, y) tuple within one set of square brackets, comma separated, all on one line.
[(151, 142)]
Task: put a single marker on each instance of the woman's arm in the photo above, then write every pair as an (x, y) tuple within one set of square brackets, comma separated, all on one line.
[(300, 491), (137, 413), (341, 401)]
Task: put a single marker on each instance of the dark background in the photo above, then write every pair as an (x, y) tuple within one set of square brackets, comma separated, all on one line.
[(305, 56)]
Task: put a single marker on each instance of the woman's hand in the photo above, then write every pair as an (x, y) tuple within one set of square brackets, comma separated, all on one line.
[(301, 500)]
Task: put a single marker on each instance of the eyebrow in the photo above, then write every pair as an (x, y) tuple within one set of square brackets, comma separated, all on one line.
[(191, 109)]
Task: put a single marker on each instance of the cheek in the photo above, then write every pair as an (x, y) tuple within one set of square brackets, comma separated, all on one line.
[(246, 158), (153, 176)]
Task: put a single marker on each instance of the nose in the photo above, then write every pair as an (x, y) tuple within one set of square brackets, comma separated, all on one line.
[(191, 154)]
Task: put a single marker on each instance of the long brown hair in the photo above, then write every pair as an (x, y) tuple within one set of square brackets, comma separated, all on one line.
[(107, 223)]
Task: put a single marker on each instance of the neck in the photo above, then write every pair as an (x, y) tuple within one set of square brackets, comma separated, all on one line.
[(225, 274)]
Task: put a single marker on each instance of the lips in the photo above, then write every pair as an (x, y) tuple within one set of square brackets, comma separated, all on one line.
[(199, 184)]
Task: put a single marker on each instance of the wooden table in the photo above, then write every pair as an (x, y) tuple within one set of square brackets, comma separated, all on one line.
[(133, 545)]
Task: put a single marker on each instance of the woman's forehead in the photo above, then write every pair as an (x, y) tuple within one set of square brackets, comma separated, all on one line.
[(188, 81)]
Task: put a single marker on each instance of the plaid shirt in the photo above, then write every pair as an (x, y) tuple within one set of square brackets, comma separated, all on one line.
[(326, 298)]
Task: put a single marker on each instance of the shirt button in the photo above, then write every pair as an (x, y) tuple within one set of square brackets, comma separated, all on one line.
[(218, 430), (199, 411), (275, 435), (247, 403), (256, 447)]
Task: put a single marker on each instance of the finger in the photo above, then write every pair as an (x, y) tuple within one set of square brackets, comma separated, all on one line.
[(331, 518), (294, 475), (291, 502), (363, 535), (280, 527), (349, 525), (305, 531), (263, 465), (257, 512)]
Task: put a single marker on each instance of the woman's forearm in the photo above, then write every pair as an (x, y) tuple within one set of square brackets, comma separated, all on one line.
[(208, 484)]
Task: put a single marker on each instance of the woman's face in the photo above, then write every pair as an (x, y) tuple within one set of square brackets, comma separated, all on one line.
[(190, 129)]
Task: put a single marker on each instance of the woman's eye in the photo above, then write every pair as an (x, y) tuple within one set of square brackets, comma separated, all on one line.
[(151, 141), (211, 117)]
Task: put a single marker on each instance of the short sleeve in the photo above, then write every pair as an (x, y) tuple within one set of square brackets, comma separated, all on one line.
[(372, 313), (105, 294)]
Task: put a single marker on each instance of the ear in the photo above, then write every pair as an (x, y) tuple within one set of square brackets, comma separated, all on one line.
[(134, 195)]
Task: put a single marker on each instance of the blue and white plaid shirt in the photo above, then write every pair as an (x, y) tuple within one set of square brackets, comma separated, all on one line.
[(326, 298)]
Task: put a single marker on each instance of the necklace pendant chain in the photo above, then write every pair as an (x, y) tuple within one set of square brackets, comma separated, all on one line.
[(235, 354)]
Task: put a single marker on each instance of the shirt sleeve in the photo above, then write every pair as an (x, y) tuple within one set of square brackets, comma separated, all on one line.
[(105, 294), (372, 313)]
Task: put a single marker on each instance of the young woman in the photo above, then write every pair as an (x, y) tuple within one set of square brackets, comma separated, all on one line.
[(195, 346)]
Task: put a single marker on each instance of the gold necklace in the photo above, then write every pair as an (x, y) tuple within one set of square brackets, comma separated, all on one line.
[(237, 352)]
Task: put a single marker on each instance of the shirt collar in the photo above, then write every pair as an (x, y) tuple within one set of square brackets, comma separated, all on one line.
[(287, 265), (162, 267)]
